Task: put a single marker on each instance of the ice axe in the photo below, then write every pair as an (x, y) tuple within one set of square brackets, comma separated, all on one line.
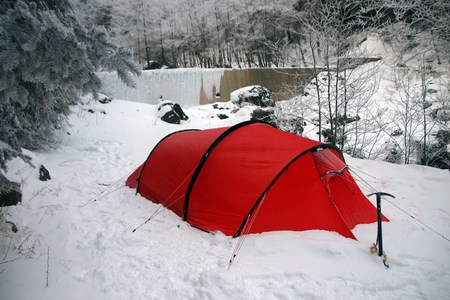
[(379, 233)]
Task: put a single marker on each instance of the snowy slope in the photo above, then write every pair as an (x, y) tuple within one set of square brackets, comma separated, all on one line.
[(75, 235), (387, 97)]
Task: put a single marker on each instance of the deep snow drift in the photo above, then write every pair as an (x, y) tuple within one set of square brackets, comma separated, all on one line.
[(75, 239)]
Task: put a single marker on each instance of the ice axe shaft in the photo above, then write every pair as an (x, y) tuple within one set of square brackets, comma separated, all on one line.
[(380, 231)]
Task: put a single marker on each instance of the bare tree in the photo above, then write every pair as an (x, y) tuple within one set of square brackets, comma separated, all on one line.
[(405, 113), (329, 26), (355, 118)]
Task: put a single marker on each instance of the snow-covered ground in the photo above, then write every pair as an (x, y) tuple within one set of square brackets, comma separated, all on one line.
[(75, 236)]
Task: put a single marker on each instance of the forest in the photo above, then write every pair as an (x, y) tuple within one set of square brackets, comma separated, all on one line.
[(260, 33)]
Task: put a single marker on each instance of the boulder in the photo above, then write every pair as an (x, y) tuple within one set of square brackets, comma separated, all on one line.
[(10, 193), (253, 95), (44, 174), (265, 115), (154, 65), (171, 112), (103, 99), (11, 197)]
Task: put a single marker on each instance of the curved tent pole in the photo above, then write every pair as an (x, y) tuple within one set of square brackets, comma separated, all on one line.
[(260, 198), (205, 156), (138, 179)]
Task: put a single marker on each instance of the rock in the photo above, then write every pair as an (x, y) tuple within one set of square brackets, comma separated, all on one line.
[(93, 111), (217, 106), (13, 226), (12, 197), (254, 95), (10, 192), (222, 116), (327, 134), (344, 119), (171, 112), (103, 99), (44, 174), (397, 132), (154, 65), (171, 117), (265, 115)]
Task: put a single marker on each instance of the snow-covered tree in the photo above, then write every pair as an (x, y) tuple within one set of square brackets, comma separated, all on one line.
[(48, 58)]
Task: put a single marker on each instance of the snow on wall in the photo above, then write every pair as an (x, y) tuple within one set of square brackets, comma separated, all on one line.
[(185, 86), (191, 87)]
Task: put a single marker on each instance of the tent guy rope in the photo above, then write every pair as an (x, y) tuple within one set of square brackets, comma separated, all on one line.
[(158, 210), (245, 231), (107, 191), (397, 206), (419, 221)]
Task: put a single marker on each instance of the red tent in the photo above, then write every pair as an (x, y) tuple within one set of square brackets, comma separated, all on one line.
[(252, 178)]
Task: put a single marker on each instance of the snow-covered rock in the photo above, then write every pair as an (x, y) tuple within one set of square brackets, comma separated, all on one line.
[(253, 95), (171, 112)]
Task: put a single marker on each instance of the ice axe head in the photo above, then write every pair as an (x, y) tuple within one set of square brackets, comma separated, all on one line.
[(379, 194)]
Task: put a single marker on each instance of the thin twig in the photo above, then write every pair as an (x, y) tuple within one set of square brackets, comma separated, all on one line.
[(48, 264), (40, 191), (24, 240), (11, 260), (43, 215), (7, 250)]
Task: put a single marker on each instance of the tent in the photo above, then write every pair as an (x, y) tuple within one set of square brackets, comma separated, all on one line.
[(253, 178)]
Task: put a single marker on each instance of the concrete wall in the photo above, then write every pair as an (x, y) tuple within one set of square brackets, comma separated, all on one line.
[(284, 83), (191, 87)]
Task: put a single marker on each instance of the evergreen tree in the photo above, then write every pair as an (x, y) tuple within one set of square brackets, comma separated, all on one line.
[(48, 58)]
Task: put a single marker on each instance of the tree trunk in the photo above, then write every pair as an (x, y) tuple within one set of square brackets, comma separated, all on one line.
[(316, 77)]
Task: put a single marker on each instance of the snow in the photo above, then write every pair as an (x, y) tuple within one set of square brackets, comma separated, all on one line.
[(75, 236), (245, 92), (382, 93), (182, 85)]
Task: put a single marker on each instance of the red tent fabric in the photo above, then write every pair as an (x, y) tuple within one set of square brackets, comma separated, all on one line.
[(252, 178)]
